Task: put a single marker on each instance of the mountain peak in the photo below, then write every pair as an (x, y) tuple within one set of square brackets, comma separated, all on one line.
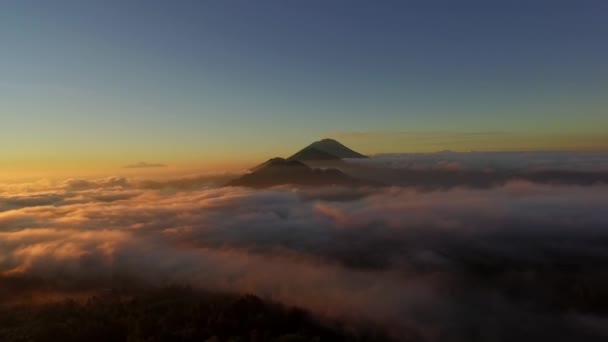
[(325, 149), (313, 153)]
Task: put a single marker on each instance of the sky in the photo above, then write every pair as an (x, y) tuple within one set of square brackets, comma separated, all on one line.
[(227, 83)]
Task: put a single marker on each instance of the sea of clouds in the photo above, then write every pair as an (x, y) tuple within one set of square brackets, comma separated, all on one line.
[(519, 259)]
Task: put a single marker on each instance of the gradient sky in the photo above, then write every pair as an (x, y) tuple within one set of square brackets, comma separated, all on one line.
[(116, 82)]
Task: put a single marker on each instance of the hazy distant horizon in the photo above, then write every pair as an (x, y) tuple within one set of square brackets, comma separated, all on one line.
[(303, 170), (93, 83)]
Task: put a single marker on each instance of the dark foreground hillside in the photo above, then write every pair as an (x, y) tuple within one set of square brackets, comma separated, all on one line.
[(168, 314)]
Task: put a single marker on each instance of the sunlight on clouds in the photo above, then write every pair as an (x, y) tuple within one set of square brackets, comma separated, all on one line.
[(383, 255)]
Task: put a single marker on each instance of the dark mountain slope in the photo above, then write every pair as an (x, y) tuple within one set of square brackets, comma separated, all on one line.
[(271, 161), (312, 153), (325, 149), (279, 171)]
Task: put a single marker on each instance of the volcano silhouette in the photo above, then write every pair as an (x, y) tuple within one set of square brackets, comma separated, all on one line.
[(297, 169), (279, 171), (325, 149)]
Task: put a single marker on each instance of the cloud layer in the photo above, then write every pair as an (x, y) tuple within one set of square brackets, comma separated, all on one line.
[(522, 259), (447, 169), (520, 161)]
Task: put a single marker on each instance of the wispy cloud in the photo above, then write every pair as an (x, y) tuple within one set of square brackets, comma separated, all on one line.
[(143, 165)]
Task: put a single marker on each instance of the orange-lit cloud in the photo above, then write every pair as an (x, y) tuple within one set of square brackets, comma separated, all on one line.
[(365, 255)]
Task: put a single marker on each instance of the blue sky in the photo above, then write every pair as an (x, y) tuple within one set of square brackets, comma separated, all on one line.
[(194, 80)]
